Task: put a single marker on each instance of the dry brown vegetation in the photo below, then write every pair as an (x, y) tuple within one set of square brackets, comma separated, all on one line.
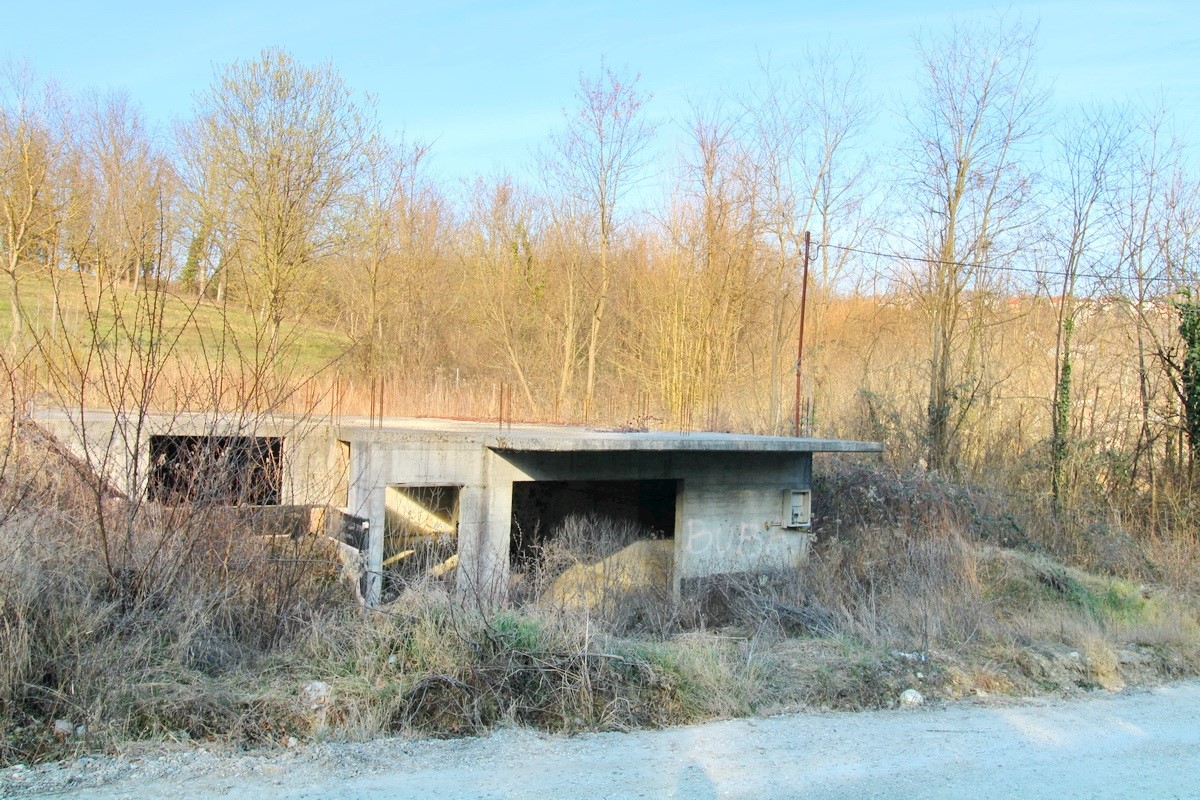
[(998, 297), (213, 632), (1016, 333)]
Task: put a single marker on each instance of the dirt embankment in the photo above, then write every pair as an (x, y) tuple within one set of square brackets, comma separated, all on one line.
[(1137, 743)]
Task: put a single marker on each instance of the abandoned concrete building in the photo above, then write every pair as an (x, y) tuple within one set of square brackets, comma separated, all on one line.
[(480, 496)]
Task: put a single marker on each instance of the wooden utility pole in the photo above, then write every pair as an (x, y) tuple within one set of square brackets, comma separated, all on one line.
[(800, 338)]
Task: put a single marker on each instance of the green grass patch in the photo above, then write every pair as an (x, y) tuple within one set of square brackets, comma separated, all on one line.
[(517, 632), (1119, 602), (194, 330)]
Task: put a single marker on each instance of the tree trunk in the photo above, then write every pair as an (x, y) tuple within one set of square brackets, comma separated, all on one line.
[(14, 297), (597, 320)]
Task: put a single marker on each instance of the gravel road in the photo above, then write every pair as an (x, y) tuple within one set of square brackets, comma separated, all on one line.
[(1139, 743)]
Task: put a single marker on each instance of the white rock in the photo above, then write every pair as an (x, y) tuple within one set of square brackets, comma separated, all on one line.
[(317, 694), (63, 728), (911, 697)]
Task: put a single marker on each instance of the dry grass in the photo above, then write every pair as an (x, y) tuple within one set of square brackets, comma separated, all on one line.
[(209, 631), (135, 621), (194, 625), (614, 573)]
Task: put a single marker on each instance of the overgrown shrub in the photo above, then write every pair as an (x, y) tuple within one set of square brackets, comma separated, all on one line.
[(131, 622)]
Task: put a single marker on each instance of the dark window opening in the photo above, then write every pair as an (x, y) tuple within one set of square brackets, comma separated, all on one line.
[(539, 508), (216, 470)]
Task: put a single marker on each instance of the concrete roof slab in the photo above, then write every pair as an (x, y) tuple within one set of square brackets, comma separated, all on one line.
[(515, 437), (520, 437)]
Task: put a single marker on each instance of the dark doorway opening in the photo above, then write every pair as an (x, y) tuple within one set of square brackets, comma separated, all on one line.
[(420, 535), (540, 507), (216, 470)]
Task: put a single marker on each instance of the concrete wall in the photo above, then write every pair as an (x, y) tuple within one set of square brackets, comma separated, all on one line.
[(729, 503), (117, 447), (387, 459), (730, 514), (728, 509)]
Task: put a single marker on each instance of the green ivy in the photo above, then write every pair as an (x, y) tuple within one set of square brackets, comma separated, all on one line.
[(1062, 417), (1189, 329)]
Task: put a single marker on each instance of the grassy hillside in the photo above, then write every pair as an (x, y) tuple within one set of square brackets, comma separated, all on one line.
[(194, 329)]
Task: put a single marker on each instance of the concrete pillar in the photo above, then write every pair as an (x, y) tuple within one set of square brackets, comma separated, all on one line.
[(495, 539), (367, 493), (679, 555), (484, 526), (484, 520), (472, 519), (376, 515)]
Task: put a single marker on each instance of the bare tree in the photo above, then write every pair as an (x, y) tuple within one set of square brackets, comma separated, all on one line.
[(34, 147), (1088, 148), (1179, 241), (392, 240), (211, 234), (978, 106), (597, 160), (703, 299), (804, 124), (1140, 212), (512, 283), (124, 182), (278, 145)]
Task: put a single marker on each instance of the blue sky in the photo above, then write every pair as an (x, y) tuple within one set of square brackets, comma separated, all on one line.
[(487, 81)]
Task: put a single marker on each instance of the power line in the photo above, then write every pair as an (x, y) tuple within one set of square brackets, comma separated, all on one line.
[(1044, 273)]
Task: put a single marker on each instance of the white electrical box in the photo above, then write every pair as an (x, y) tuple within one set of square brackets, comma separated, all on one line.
[(797, 508)]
